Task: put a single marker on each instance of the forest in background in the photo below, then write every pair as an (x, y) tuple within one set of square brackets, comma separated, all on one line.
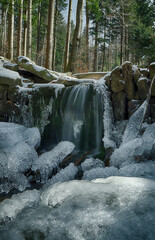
[(115, 31)]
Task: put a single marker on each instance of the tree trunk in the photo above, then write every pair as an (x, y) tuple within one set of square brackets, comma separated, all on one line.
[(19, 32), (55, 35), (87, 36), (66, 58), (121, 47), (25, 33), (10, 30), (38, 33), (50, 28), (96, 49), (77, 36), (103, 60), (29, 30)]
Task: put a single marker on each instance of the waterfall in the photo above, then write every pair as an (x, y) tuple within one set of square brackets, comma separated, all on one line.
[(77, 117)]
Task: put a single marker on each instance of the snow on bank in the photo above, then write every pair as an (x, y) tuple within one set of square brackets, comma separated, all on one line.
[(102, 209)]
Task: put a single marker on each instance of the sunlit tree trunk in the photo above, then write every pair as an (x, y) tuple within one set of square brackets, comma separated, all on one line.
[(19, 32), (68, 35), (77, 36), (50, 28), (10, 29)]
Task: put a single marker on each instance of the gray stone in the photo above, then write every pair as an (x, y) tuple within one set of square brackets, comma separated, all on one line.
[(119, 105), (72, 81), (41, 72), (117, 83), (9, 77), (11, 66), (130, 86), (143, 87), (108, 80)]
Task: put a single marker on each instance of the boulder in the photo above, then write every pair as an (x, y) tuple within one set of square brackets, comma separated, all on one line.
[(119, 105), (152, 73), (143, 87), (10, 66), (152, 69), (117, 83), (9, 77), (41, 72), (136, 73), (130, 86), (108, 80), (144, 72)]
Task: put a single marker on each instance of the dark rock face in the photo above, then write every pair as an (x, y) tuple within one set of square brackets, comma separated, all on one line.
[(119, 105), (143, 87), (152, 73), (117, 83), (130, 87), (134, 105)]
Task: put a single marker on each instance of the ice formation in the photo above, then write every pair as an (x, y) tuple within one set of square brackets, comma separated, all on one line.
[(82, 210), (17, 154), (51, 160)]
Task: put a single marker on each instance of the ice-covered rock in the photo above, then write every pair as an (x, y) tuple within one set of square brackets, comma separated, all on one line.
[(41, 72), (11, 133), (100, 172), (128, 151), (10, 208), (92, 163), (65, 175), (17, 155), (112, 208), (9, 77), (48, 161)]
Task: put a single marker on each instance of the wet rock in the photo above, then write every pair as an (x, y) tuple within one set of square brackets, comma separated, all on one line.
[(143, 87), (153, 152), (117, 83), (3, 92), (130, 86), (119, 105)]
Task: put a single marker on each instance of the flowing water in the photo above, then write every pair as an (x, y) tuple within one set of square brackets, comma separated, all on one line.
[(77, 117)]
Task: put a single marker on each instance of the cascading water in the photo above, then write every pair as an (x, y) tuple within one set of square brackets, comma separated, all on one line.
[(77, 117)]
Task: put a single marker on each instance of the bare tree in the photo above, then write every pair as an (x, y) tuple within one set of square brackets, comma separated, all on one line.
[(10, 29), (50, 28), (38, 33), (29, 29), (68, 35), (87, 34), (19, 32), (76, 37), (25, 32)]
